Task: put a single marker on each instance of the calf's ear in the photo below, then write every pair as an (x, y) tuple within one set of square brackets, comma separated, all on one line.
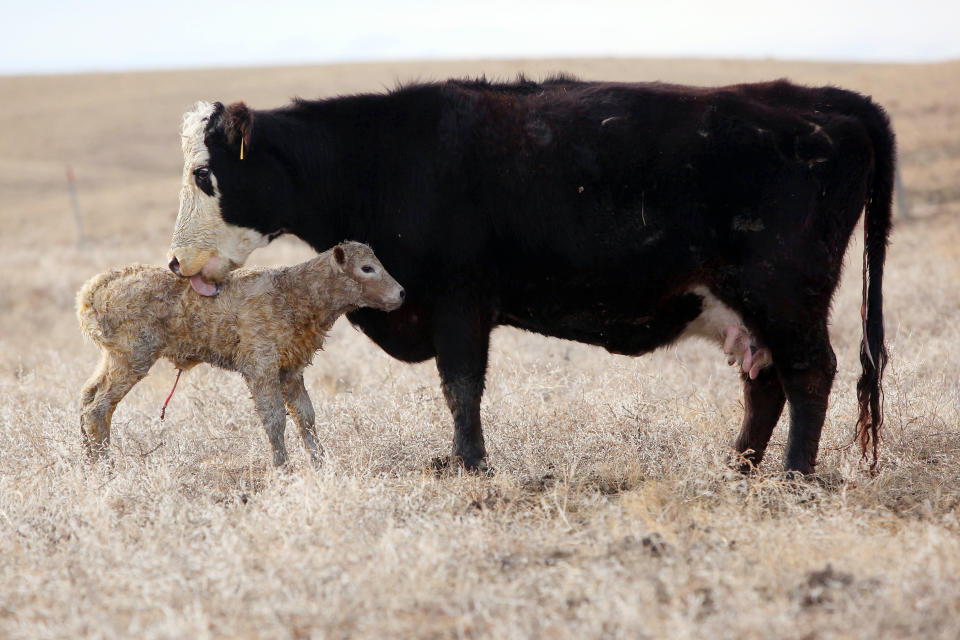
[(339, 255), (238, 126)]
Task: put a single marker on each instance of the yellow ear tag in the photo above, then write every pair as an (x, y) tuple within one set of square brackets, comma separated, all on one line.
[(241, 148)]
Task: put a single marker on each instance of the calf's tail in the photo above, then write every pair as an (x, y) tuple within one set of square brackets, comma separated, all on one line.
[(87, 308), (876, 230)]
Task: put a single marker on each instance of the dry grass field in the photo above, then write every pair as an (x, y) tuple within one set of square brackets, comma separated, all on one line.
[(612, 513)]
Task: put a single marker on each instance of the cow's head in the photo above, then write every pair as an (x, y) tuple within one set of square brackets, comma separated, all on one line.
[(227, 191)]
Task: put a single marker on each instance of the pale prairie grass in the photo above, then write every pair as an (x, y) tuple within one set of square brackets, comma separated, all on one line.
[(613, 511)]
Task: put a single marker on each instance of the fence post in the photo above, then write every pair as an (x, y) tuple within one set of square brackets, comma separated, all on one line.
[(72, 184)]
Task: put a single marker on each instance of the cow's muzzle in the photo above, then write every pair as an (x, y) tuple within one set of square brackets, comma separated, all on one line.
[(198, 281)]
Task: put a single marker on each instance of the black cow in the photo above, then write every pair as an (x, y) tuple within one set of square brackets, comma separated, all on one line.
[(620, 215)]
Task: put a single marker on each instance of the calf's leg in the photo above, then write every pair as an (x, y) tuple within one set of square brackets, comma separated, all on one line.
[(301, 410), (113, 379), (268, 399)]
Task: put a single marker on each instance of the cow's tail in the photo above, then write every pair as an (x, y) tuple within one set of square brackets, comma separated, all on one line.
[(876, 231)]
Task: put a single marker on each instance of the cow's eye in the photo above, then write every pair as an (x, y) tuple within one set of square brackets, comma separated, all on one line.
[(367, 269), (201, 173)]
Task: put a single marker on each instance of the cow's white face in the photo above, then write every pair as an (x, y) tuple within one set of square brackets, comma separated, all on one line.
[(204, 247)]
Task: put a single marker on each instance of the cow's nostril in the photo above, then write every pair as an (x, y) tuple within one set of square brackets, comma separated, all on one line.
[(403, 294), (175, 266)]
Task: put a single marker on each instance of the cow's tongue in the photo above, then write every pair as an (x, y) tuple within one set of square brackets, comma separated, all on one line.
[(203, 287)]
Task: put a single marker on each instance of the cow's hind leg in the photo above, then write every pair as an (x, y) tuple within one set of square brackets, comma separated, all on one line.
[(807, 365), (461, 339), (301, 410), (114, 378), (763, 400)]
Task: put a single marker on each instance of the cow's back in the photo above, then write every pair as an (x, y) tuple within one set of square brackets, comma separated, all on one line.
[(594, 208)]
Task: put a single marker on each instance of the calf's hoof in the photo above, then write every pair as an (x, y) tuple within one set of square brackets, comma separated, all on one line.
[(96, 450)]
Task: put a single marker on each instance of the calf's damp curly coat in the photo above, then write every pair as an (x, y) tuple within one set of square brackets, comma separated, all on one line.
[(265, 324)]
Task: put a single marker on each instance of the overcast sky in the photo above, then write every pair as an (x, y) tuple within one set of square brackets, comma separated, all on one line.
[(43, 36)]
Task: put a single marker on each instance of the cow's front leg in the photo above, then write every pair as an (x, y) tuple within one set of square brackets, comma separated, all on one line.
[(461, 339)]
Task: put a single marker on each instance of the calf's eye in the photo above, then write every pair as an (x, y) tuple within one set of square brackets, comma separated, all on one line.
[(367, 269), (201, 173)]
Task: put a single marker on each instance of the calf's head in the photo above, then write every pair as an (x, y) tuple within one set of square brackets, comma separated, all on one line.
[(226, 188), (368, 283)]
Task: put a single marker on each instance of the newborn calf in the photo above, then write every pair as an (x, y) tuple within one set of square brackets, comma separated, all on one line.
[(265, 324)]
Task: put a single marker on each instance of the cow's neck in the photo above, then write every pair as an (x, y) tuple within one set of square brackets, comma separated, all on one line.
[(357, 157)]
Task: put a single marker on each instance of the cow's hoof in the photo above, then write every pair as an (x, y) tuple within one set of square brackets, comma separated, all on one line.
[(745, 462), (796, 471), (745, 467), (443, 465), (798, 463), (794, 476), (829, 481)]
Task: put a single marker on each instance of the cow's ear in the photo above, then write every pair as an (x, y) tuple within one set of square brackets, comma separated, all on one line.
[(339, 256), (238, 125)]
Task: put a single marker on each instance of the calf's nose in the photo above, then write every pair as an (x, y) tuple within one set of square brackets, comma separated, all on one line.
[(403, 294), (174, 266)]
